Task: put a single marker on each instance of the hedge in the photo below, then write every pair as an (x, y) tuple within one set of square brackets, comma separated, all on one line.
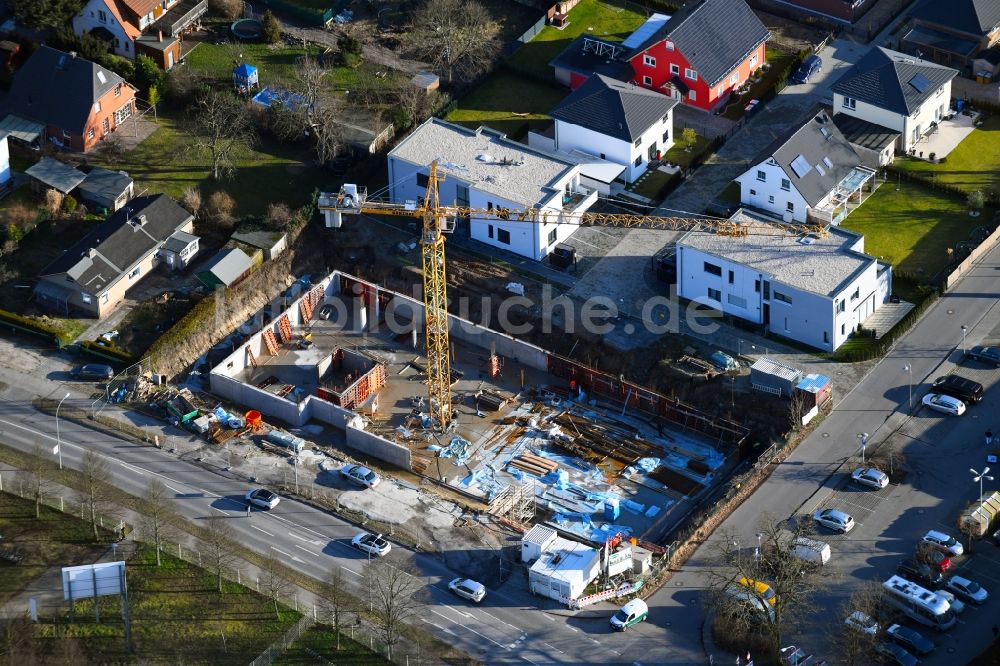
[(934, 183), (108, 352), (32, 326)]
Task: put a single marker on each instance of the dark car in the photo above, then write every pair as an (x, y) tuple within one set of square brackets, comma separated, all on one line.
[(897, 654), (911, 639), (921, 574), (985, 354), (810, 67), (562, 255), (93, 372), (966, 390)]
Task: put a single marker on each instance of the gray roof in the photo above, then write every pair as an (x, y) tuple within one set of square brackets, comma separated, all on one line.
[(104, 255), (613, 108), (714, 35), (863, 133), (178, 241), (575, 59), (921, 37), (891, 80), (57, 175), (105, 184), (824, 266), (990, 55), (228, 265), (59, 89), (976, 17), (822, 157), (264, 240)]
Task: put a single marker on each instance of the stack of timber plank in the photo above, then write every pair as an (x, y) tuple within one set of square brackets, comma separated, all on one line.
[(532, 464)]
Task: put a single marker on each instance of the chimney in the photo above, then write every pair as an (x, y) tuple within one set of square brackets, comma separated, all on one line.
[(160, 34)]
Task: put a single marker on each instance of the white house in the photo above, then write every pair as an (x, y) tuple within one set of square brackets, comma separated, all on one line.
[(808, 173), (563, 569), (897, 91), (811, 288), (484, 169), (615, 121)]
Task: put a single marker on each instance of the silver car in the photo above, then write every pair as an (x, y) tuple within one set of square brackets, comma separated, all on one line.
[(871, 477), (262, 498), (967, 589), (468, 589), (834, 519), (360, 475), (373, 544)]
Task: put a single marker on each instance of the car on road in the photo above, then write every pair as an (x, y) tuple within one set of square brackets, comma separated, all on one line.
[(943, 542), (896, 653), (945, 404), (468, 589), (326, 311), (985, 354), (263, 498), (967, 589), (92, 372), (919, 573), (360, 475), (810, 67), (911, 639), (862, 622), (834, 519), (373, 544), (871, 477), (633, 612), (959, 387)]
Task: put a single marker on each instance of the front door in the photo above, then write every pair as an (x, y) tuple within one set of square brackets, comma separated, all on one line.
[(170, 59)]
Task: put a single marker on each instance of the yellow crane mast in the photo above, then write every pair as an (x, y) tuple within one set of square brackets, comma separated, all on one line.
[(438, 220)]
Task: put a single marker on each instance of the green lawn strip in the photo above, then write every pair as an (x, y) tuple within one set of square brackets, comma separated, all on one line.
[(275, 64), (650, 184), (495, 101), (594, 17), (912, 228), (322, 640), (54, 539), (973, 165), (679, 154)]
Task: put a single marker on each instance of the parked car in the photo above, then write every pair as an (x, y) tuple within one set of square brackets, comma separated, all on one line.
[(919, 573), (360, 475), (263, 498), (373, 544), (763, 590), (959, 387), (834, 519), (942, 541), (862, 622), (468, 589), (810, 67), (871, 477), (92, 372), (896, 653), (946, 404), (967, 589), (933, 558), (985, 354), (911, 639), (633, 612), (956, 604)]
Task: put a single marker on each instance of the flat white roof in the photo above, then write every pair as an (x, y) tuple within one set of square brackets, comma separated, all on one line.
[(592, 166), (538, 535), (486, 159), (817, 264), (565, 560)]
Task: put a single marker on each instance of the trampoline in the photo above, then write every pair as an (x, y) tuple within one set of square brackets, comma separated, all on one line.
[(247, 30)]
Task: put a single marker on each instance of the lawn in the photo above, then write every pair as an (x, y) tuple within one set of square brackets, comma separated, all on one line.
[(973, 165), (322, 641), (508, 103), (679, 153), (913, 228), (594, 17), (178, 617), (650, 184)]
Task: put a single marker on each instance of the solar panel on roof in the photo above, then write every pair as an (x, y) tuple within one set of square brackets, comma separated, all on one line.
[(646, 30), (920, 82), (800, 166)]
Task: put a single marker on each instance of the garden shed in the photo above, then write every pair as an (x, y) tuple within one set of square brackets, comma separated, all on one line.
[(245, 79), (227, 268)]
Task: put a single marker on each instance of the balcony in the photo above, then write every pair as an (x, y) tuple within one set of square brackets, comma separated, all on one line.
[(578, 201)]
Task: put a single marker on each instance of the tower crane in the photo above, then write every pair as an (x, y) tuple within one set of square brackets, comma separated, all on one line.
[(439, 219)]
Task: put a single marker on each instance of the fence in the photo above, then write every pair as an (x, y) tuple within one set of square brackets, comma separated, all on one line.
[(278, 648), (974, 256), (62, 504)]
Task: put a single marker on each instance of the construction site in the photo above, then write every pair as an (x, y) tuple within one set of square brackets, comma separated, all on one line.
[(533, 436)]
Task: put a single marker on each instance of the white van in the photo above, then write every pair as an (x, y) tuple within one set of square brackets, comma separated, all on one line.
[(633, 612), (810, 550)]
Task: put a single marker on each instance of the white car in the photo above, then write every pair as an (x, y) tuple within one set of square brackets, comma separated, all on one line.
[(468, 589), (871, 477), (943, 542), (967, 589), (373, 544), (956, 604), (360, 475), (862, 622), (834, 519), (265, 499), (944, 403)]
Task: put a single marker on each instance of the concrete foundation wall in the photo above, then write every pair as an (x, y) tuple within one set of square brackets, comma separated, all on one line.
[(378, 447), (254, 398)]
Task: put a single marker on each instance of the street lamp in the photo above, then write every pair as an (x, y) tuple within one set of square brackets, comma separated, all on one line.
[(979, 476), (863, 438), (58, 439), (908, 368), (964, 329)]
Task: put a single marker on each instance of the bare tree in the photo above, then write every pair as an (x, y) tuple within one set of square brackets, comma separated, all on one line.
[(96, 494), (310, 75), (223, 129), (36, 477), (159, 521), (857, 646), (396, 598), (227, 9), (327, 130), (336, 601), (276, 583), (220, 538), (457, 37), (18, 644)]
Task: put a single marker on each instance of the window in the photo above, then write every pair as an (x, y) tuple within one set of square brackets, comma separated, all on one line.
[(489, 231), (666, 137), (666, 118), (104, 298), (767, 290), (638, 160), (756, 286), (732, 277), (105, 126), (90, 133), (134, 273), (637, 142), (669, 45), (647, 80), (126, 47), (790, 207), (102, 16), (778, 296), (786, 184), (648, 61), (826, 336), (770, 199), (692, 95), (715, 294), (489, 205), (118, 90), (423, 179), (850, 103), (856, 295), (85, 297), (753, 193), (97, 107), (841, 305), (735, 78), (690, 74), (675, 69), (713, 269), (761, 176), (738, 301), (843, 328), (552, 237), (503, 236), (753, 60)]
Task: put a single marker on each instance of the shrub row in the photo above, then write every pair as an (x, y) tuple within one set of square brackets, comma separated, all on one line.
[(935, 184), (878, 348), (33, 326), (107, 352)]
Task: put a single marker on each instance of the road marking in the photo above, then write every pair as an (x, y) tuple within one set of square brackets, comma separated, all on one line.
[(260, 530), (442, 615), (288, 555), (573, 629), (530, 661), (215, 508), (314, 542), (181, 492), (490, 615), (485, 636), (593, 640), (546, 616), (303, 548), (552, 647), (435, 624), (131, 467), (350, 570)]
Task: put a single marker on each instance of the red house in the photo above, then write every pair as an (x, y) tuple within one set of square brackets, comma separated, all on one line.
[(704, 51)]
